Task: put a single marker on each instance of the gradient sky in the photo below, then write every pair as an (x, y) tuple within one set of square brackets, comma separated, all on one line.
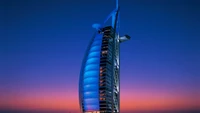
[(42, 44)]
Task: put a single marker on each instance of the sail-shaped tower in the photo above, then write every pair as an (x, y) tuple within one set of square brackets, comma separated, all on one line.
[(99, 84)]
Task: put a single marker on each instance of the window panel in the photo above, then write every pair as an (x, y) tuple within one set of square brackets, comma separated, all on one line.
[(91, 80), (93, 61), (89, 95), (93, 73), (91, 107), (94, 54), (91, 87), (92, 67), (97, 42), (95, 48), (93, 101)]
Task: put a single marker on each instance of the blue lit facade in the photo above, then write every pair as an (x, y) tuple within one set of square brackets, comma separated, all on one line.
[(90, 75), (99, 84)]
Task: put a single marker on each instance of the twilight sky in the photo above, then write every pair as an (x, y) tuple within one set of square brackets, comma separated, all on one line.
[(42, 44)]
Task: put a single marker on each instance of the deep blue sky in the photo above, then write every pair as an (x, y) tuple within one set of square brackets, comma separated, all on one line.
[(43, 42)]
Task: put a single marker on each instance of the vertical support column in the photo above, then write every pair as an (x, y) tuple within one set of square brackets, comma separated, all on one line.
[(115, 92), (118, 60), (113, 20)]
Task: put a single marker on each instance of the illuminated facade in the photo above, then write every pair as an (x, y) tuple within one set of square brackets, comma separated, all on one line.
[(99, 84)]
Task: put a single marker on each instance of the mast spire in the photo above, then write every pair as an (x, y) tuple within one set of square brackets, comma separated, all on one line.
[(111, 15), (117, 4)]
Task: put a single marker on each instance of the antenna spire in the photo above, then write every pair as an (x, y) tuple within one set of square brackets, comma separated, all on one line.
[(117, 2)]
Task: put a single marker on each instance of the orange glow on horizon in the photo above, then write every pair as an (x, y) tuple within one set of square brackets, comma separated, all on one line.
[(69, 101)]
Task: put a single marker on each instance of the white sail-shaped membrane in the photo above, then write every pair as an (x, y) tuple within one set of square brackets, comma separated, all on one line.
[(90, 84)]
